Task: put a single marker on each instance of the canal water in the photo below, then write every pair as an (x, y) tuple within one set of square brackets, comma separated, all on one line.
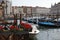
[(48, 34)]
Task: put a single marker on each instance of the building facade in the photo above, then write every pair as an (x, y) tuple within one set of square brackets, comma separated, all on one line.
[(24, 10), (42, 11), (34, 11), (14, 10), (17, 10), (55, 10), (6, 7), (9, 6), (29, 11)]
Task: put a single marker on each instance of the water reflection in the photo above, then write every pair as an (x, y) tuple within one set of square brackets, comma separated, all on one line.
[(48, 34)]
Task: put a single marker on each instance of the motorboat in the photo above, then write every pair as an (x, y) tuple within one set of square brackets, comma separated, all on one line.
[(46, 23), (49, 22), (31, 20), (34, 20), (56, 20), (26, 19), (34, 30)]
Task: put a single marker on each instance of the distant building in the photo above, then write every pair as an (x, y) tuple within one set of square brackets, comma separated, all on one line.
[(17, 10), (14, 10), (9, 7), (28, 11), (55, 10), (21, 11), (1, 10), (42, 11), (6, 9), (34, 11), (24, 10)]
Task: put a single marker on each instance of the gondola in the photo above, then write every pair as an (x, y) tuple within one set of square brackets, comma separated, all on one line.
[(49, 23)]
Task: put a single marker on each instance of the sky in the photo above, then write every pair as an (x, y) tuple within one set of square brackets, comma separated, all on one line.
[(40, 3)]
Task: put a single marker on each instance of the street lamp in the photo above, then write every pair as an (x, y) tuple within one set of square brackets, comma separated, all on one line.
[(3, 5)]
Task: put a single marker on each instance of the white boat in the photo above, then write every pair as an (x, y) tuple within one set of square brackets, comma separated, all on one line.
[(57, 19), (34, 31)]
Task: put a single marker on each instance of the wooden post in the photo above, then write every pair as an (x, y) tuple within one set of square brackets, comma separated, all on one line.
[(15, 19), (20, 18)]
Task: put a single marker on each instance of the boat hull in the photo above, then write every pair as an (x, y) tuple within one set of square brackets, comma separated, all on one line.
[(49, 26), (33, 33)]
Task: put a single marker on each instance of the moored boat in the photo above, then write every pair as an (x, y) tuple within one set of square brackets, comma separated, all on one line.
[(48, 24), (34, 31)]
